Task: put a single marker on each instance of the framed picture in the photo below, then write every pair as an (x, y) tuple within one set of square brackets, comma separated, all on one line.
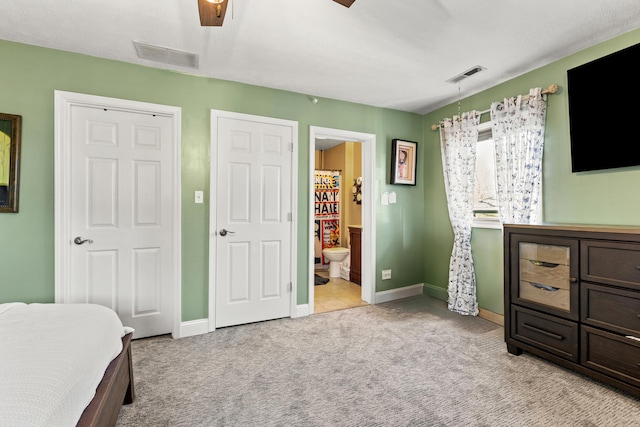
[(403, 162), (10, 127)]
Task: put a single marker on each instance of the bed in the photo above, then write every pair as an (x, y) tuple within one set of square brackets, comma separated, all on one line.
[(63, 365)]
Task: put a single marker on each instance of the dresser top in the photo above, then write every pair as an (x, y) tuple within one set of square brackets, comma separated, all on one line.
[(632, 232)]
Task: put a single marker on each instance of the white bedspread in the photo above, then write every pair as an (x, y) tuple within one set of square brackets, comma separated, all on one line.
[(52, 358)]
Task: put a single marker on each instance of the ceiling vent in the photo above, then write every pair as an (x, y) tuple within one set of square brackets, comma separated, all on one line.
[(166, 55), (470, 72)]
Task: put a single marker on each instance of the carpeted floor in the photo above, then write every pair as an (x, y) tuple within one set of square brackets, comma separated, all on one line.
[(404, 363)]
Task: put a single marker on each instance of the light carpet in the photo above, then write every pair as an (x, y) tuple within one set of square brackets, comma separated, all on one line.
[(405, 363)]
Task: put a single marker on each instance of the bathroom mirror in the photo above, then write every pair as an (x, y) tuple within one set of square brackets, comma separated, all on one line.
[(10, 127)]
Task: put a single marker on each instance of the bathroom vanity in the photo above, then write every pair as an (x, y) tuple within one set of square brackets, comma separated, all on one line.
[(355, 237)]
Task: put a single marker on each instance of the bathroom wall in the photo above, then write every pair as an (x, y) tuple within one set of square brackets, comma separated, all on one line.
[(353, 214), (347, 158)]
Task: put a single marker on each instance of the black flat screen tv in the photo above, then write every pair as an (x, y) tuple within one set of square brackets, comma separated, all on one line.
[(603, 104)]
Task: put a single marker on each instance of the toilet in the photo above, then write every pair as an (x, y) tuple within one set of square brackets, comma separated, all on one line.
[(336, 257)]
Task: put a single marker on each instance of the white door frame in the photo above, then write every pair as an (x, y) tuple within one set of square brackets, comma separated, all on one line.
[(213, 173), (368, 206), (64, 101)]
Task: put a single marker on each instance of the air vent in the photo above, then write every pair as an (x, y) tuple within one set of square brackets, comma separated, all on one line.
[(166, 55), (470, 72)]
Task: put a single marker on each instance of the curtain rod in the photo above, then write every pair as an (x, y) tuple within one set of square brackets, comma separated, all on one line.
[(551, 89)]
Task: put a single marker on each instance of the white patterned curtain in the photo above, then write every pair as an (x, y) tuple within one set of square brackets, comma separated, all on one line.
[(458, 138), (518, 133)]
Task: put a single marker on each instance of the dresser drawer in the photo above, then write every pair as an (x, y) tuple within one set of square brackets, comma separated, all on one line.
[(546, 278), (613, 263), (543, 293), (550, 333), (551, 254), (611, 354), (544, 273), (611, 308)]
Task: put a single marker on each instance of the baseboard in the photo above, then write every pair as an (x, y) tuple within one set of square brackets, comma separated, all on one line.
[(193, 327), (443, 294), (436, 292), (301, 310), (496, 318), (398, 293), (201, 326)]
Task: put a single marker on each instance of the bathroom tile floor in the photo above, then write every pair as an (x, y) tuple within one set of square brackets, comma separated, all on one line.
[(338, 294)]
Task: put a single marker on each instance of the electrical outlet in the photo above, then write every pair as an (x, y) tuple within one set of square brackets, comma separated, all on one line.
[(386, 274)]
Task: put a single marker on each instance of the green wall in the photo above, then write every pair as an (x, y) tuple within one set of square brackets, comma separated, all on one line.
[(603, 197), (28, 83), (413, 237)]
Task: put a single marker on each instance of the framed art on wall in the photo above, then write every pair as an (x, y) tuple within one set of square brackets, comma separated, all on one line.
[(403, 162), (10, 128)]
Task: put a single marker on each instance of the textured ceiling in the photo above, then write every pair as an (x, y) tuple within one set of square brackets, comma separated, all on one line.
[(389, 54)]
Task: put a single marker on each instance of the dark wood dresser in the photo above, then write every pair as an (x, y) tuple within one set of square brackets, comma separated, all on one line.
[(572, 296), (355, 237)]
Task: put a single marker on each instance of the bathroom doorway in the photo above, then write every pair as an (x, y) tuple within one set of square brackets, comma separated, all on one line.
[(350, 157)]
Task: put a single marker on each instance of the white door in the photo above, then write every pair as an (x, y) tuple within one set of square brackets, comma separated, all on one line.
[(251, 218), (121, 215)]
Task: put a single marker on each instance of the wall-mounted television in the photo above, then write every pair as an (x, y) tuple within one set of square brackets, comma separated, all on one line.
[(603, 109)]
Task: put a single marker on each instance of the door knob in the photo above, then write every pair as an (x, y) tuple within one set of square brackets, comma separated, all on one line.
[(224, 232), (80, 241)]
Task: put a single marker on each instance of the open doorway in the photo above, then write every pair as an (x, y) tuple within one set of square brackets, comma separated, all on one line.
[(362, 221)]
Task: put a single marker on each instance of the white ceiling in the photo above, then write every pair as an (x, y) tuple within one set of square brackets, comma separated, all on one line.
[(393, 54)]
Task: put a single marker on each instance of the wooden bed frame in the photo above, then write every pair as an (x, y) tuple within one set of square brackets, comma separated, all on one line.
[(115, 389)]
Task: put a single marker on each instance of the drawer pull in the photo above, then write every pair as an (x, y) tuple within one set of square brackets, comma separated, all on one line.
[(546, 264), (544, 287), (631, 337), (543, 332)]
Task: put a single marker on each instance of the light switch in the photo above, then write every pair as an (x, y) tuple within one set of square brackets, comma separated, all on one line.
[(392, 197), (384, 199), (199, 197)]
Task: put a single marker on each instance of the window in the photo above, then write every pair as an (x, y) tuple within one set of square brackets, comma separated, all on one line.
[(485, 200)]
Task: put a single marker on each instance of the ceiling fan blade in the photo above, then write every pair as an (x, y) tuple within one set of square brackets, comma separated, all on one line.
[(346, 3), (211, 14)]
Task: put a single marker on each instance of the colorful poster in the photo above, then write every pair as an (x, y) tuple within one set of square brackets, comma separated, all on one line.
[(327, 212)]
